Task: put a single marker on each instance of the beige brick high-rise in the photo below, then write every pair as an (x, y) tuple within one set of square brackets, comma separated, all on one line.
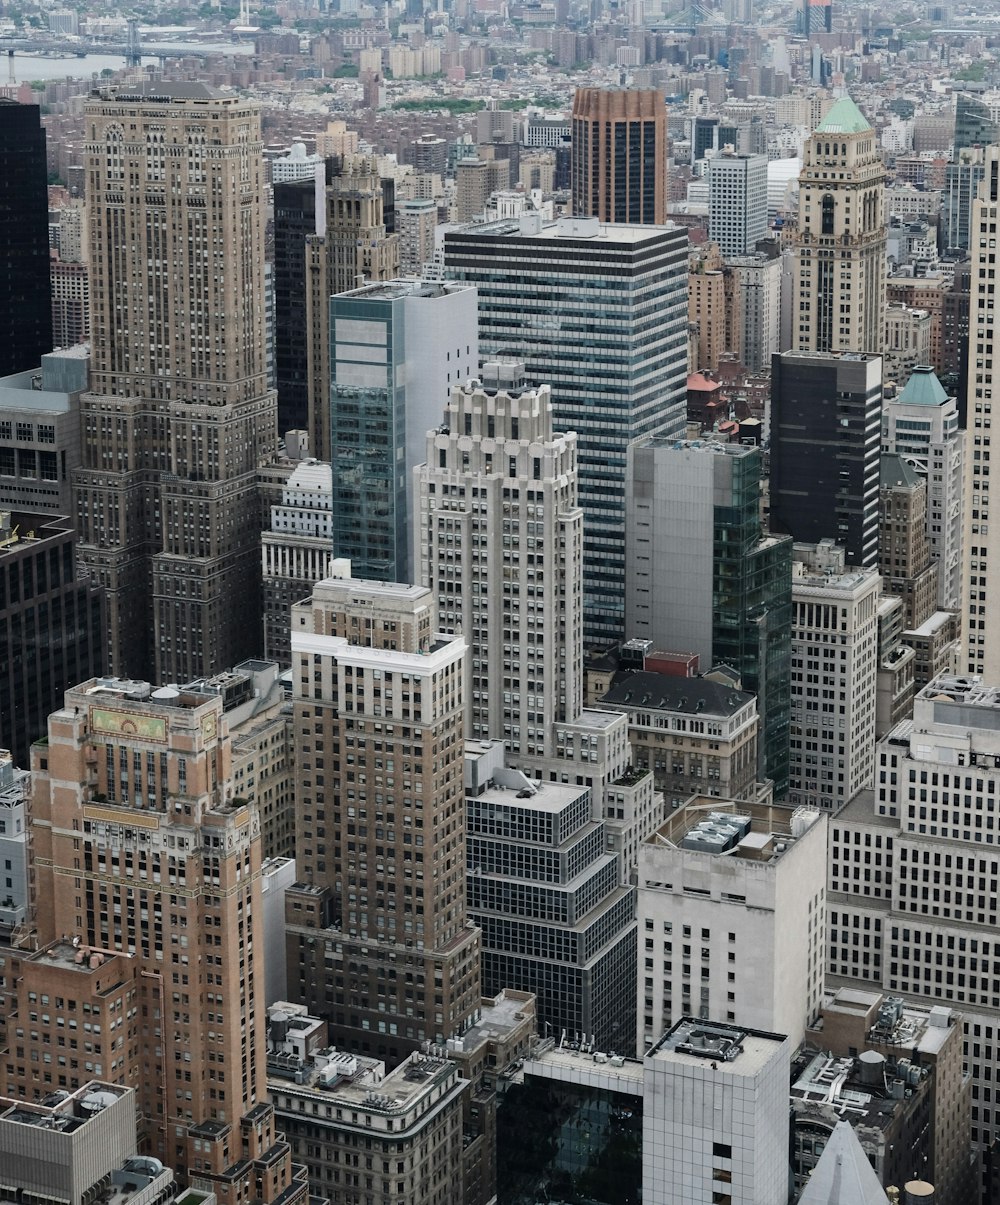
[(179, 417), (148, 918), (378, 940)]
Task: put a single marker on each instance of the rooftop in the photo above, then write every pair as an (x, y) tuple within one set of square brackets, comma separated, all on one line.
[(894, 471), (73, 956), (758, 832), (361, 1083), (541, 796), (665, 692), (499, 1017), (62, 1111), (565, 229), (728, 1049), (923, 388), (843, 118), (162, 90), (393, 290)]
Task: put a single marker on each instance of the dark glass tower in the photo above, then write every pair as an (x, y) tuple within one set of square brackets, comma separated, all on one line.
[(25, 290), (294, 220), (826, 415)]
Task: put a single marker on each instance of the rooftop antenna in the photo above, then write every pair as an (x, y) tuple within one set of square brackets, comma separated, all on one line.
[(11, 78)]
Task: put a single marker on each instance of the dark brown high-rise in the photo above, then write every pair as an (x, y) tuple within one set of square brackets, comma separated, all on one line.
[(619, 170)]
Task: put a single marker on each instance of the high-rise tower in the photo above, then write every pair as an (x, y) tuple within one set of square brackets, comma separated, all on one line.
[(838, 302), (619, 164), (25, 288), (179, 418), (599, 313), (981, 551), (378, 942)]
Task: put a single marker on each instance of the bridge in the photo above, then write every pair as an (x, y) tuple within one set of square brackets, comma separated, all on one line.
[(131, 51)]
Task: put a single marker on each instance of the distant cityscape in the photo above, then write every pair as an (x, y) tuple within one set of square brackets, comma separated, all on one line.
[(499, 703)]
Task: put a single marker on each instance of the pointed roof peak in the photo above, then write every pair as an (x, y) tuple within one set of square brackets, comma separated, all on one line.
[(843, 118), (843, 1175), (923, 388)]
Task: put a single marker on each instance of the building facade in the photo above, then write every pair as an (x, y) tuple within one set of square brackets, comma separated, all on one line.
[(296, 552), (298, 215), (179, 417), (737, 202), (732, 917), (921, 425)]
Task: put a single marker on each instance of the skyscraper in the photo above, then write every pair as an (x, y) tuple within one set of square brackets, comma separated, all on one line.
[(25, 289), (599, 313), (920, 424), (396, 348), (179, 418), (704, 577), (378, 942), (737, 202), (497, 441), (148, 917), (981, 552), (839, 294), (296, 213), (352, 247), (619, 155), (826, 413), (817, 17)]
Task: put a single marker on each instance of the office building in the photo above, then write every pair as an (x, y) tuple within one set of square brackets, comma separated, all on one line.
[(755, 309), (298, 214), (817, 17), (612, 347), (732, 917), (296, 552), (352, 247), (737, 202), (546, 893), (619, 155), (839, 285), (70, 303), (26, 310), (147, 874), (963, 177), (14, 847), (921, 425), (933, 802), (40, 433), (981, 544), (826, 413), (179, 417), (298, 164), (51, 625), (834, 669), (378, 940), (396, 350), (707, 310), (706, 578), (904, 555), (896, 676), (429, 155), (493, 473), (668, 717)]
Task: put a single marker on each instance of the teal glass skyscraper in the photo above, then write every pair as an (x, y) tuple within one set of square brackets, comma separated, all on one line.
[(599, 313)]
